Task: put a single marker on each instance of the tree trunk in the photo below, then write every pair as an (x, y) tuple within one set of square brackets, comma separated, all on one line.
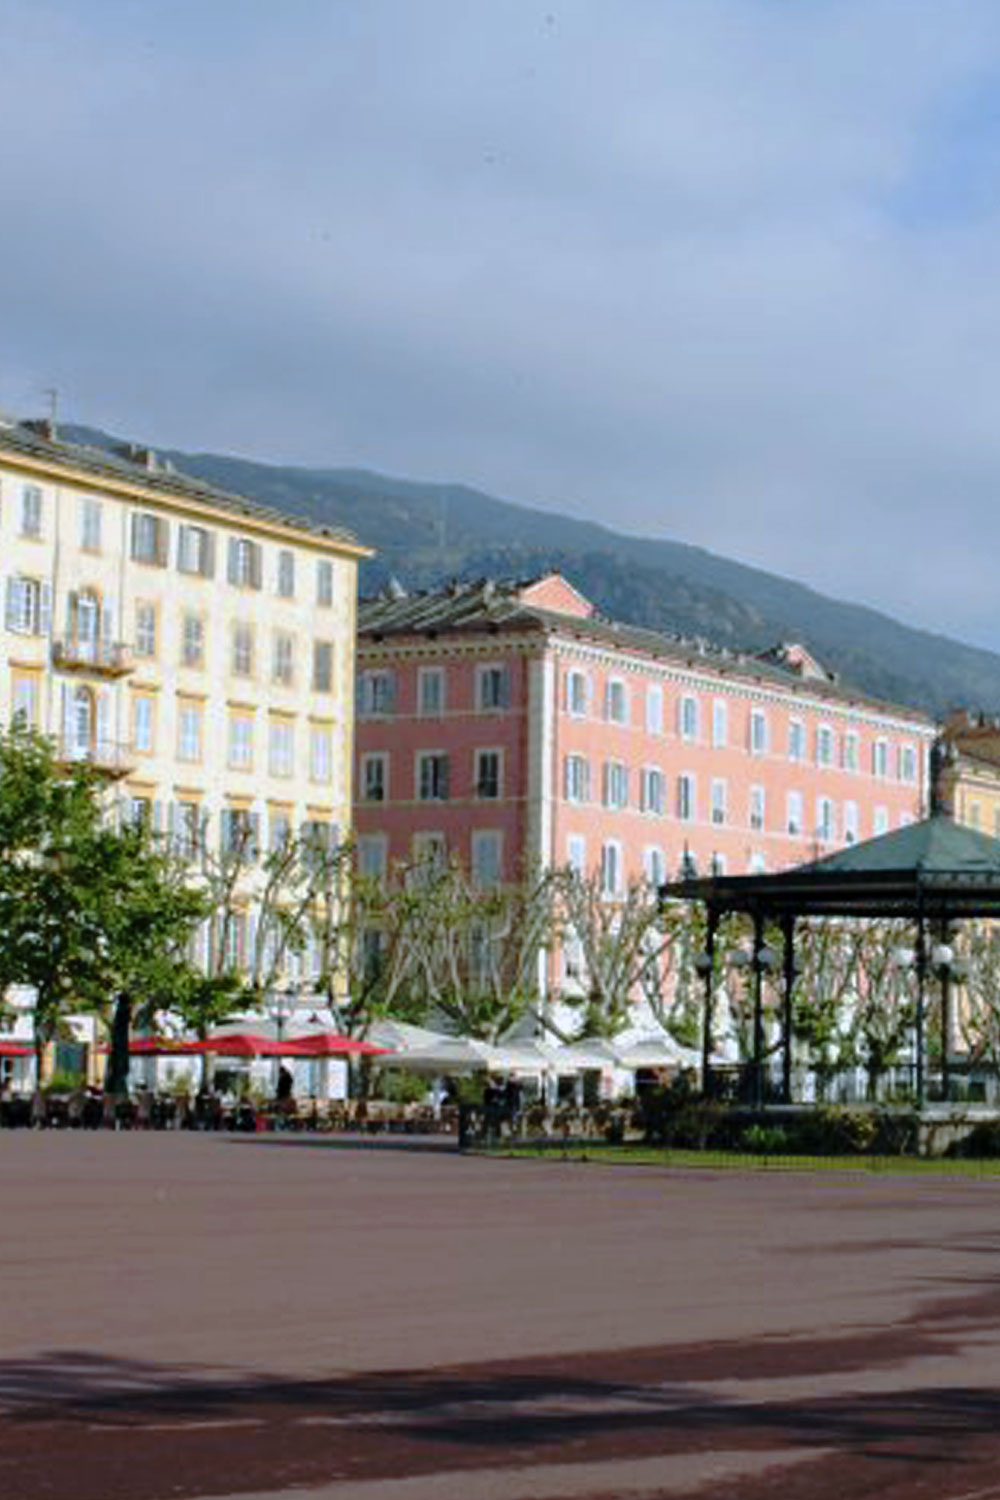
[(117, 1071)]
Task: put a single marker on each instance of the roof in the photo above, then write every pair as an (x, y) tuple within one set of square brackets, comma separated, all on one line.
[(938, 867), (140, 467), (489, 605)]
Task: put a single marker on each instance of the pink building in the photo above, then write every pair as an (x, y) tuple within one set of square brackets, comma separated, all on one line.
[(509, 723)]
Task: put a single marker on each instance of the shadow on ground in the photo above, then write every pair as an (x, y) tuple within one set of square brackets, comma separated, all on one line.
[(105, 1429)]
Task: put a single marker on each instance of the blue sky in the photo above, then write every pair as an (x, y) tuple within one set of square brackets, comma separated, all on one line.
[(721, 270)]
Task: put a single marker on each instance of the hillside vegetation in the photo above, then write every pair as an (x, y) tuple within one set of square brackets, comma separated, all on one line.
[(426, 534)]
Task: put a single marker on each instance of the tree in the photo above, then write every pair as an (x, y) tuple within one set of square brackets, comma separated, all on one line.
[(627, 949)]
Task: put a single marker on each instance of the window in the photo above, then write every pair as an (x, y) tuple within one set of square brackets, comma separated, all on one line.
[(757, 864), (880, 821), (239, 832), (492, 688), (189, 720), (142, 725), (850, 822), (283, 658), (616, 701), (611, 868), (651, 787), (907, 764), (793, 813), (974, 815), (720, 724), (245, 563), (375, 777), (145, 629), (432, 776), (824, 820), (824, 745), (430, 854), (758, 732), (195, 551), (321, 753), (242, 649), (28, 606), (377, 692), (757, 807), (688, 866), (851, 750), (654, 866), (286, 574), (31, 510), (24, 700), (880, 759), (576, 778), (187, 829), (718, 864), (615, 784), (430, 691), (687, 721), (719, 796), (796, 740), (577, 693), (193, 640), (487, 857), (150, 538), (324, 582), (654, 710), (576, 854), (373, 856), (241, 741), (90, 524), (685, 797), (487, 775), (322, 678), (281, 747)]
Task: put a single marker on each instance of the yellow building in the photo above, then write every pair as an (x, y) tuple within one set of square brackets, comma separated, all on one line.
[(970, 771), (196, 646)]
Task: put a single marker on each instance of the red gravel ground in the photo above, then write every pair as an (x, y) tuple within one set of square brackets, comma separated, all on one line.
[(191, 1316)]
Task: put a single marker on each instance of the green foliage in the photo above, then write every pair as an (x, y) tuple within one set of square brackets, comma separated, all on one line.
[(981, 1143)]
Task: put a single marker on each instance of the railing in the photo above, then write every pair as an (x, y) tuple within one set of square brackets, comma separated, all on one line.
[(106, 756), (112, 658)]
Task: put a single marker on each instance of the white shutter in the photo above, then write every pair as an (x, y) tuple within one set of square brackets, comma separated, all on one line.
[(45, 610), (108, 613), (102, 736), (11, 612), (66, 716)]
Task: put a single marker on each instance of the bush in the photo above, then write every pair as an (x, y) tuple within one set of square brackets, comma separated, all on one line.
[(765, 1140), (982, 1141)]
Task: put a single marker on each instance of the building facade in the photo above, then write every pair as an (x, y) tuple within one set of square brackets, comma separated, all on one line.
[(970, 771), (195, 647), (510, 725)]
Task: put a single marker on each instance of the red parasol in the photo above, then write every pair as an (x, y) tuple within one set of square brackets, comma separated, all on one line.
[(239, 1044), (153, 1046), (331, 1044), (15, 1049)]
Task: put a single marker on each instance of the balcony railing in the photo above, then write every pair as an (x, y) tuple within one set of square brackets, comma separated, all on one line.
[(109, 658), (105, 756)]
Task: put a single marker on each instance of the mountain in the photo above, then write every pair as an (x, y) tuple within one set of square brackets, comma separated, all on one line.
[(428, 533)]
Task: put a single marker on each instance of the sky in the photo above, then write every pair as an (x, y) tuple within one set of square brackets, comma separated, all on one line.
[(725, 271)]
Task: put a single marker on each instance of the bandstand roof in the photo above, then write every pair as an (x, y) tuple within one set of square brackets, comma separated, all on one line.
[(936, 868)]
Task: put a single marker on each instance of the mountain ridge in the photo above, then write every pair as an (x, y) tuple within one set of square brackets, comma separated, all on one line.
[(426, 533)]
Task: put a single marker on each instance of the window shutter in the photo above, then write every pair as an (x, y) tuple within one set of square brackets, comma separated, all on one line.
[(72, 605), (567, 784), (157, 817), (606, 784), (134, 522), (66, 716), (390, 693), (505, 688), (208, 555), (102, 735), (256, 564), (162, 541), (253, 844), (11, 611), (445, 778), (108, 621), (233, 564)]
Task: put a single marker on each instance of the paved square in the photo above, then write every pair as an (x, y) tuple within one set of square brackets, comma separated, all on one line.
[(186, 1316)]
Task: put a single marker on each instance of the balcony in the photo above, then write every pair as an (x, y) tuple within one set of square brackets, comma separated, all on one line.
[(106, 757), (106, 658)]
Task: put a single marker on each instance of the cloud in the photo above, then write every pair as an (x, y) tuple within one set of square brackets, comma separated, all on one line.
[(722, 270)]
